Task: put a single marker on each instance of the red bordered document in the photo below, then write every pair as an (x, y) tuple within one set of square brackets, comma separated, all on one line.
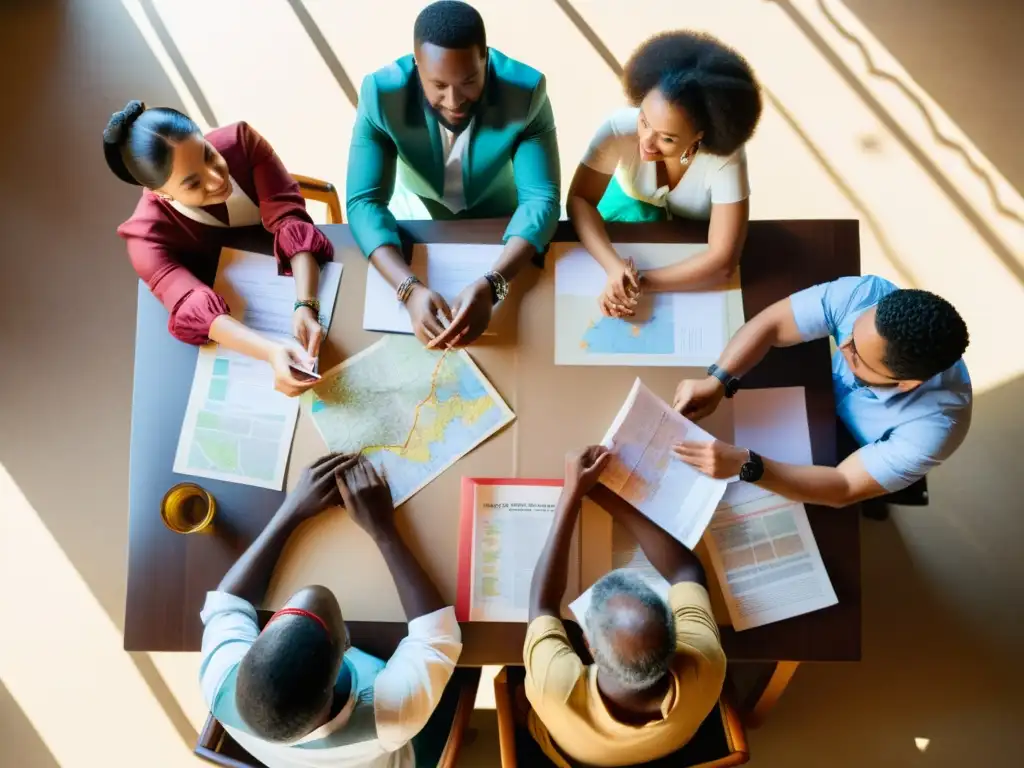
[(503, 526)]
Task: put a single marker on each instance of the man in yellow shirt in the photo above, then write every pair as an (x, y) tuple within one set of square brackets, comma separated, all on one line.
[(659, 668)]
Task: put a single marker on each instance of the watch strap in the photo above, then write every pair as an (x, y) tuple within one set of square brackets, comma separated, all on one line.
[(730, 382)]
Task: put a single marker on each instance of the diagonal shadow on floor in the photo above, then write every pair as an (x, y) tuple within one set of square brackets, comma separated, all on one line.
[(326, 52), (179, 62), (991, 238)]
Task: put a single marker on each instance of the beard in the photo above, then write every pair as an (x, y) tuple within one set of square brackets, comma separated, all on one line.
[(455, 128)]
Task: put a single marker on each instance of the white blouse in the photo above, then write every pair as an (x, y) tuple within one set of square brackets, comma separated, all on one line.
[(242, 212), (709, 179)]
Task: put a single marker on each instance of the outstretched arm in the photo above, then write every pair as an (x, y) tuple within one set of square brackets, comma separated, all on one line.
[(726, 235), (552, 569), (673, 560), (582, 470)]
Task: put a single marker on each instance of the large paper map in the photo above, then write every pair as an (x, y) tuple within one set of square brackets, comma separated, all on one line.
[(412, 411)]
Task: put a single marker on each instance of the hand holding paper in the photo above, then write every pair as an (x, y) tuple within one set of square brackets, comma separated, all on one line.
[(715, 458), (583, 469), (644, 471)]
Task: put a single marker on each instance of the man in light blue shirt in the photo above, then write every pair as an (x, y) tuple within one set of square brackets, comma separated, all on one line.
[(901, 388)]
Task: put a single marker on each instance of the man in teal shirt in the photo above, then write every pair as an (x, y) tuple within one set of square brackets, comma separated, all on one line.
[(470, 133)]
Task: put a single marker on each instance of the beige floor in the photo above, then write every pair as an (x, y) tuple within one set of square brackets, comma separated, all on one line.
[(940, 208)]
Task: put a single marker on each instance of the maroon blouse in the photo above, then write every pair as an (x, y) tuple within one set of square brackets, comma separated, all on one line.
[(161, 241)]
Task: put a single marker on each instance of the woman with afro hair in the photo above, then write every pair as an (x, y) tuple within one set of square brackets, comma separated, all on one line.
[(676, 152)]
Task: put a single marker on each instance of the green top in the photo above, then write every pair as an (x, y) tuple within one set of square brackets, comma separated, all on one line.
[(510, 168)]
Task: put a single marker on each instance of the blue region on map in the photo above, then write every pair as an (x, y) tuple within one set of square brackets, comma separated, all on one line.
[(612, 336), (466, 386)]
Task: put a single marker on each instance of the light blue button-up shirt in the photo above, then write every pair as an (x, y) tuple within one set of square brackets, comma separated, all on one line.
[(902, 434)]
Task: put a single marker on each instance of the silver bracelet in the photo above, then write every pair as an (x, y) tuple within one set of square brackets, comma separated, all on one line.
[(499, 286), (405, 289)]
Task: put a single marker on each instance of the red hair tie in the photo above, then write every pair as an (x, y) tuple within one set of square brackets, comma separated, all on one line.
[(297, 612)]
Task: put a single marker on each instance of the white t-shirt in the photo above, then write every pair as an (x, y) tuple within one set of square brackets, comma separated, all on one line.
[(242, 212), (709, 179), (389, 702), (454, 147)]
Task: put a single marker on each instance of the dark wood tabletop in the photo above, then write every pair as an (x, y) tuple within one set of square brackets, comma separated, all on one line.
[(169, 574)]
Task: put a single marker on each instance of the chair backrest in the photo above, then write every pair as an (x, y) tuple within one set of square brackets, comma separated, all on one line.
[(323, 192), (216, 746), (720, 741)]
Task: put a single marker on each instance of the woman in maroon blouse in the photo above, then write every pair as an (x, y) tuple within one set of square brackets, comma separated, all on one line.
[(197, 188)]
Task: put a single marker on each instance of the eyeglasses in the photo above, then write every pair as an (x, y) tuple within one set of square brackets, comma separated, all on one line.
[(853, 350)]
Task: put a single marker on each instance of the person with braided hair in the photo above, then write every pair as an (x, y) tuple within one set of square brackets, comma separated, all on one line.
[(676, 152), (901, 386), (196, 190)]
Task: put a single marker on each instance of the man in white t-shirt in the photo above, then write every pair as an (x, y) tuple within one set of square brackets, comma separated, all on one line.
[(678, 151), (296, 695)]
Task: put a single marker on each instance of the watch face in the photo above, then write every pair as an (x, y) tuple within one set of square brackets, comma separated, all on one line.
[(752, 470)]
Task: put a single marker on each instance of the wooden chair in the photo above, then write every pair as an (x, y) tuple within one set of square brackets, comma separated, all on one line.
[(719, 742), (441, 738), (323, 192)]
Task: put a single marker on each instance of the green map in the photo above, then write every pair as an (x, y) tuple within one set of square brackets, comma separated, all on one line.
[(412, 411)]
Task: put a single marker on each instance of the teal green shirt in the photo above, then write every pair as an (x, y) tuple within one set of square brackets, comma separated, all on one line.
[(510, 169)]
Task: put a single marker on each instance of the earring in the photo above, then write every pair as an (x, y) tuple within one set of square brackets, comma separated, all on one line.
[(685, 159)]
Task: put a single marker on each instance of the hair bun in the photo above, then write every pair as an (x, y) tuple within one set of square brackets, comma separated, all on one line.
[(120, 122)]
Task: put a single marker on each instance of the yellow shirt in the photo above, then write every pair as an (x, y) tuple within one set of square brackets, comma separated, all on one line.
[(567, 704)]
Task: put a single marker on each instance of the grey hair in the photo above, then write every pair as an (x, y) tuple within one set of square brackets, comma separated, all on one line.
[(644, 668)]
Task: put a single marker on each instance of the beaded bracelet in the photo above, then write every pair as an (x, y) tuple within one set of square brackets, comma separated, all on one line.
[(313, 304)]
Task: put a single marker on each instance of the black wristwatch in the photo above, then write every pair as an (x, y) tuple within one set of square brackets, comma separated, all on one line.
[(752, 469), (730, 382)]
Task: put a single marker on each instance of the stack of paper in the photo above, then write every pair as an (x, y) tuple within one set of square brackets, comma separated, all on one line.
[(237, 427), (766, 560)]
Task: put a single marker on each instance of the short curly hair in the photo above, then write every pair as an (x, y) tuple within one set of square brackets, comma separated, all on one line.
[(286, 681), (450, 24), (924, 335), (700, 74)]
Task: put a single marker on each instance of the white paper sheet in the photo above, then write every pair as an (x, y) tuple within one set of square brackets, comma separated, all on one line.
[(767, 561), (237, 427), (644, 471), (446, 267), (771, 422), (680, 329), (511, 527)]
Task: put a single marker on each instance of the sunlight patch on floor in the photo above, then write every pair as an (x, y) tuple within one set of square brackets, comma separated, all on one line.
[(255, 62), (61, 656), (135, 11)]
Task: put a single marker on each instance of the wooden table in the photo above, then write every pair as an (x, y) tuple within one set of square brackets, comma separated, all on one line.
[(169, 574)]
